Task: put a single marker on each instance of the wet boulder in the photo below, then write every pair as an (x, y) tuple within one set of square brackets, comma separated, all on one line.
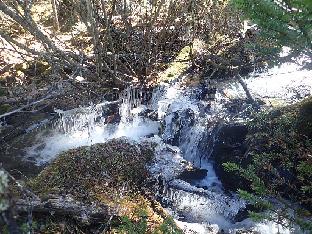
[(205, 90), (193, 174), (175, 124), (150, 114), (230, 146)]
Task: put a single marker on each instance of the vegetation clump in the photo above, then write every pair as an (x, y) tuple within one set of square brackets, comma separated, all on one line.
[(282, 23), (129, 227), (280, 168)]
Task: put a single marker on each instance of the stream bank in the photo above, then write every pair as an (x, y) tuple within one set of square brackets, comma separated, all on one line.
[(277, 145)]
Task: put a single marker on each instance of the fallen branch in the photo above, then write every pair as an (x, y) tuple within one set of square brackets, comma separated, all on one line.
[(26, 106), (67, 206), (59, 206), (253, 102)]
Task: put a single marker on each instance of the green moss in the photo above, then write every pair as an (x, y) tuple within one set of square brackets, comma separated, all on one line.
[(5, 108), (168, 226)]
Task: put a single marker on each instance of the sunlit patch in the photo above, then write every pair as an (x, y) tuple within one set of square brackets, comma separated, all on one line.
[(287, 83)]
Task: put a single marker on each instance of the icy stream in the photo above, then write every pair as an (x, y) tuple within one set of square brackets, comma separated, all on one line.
[(183, 120)]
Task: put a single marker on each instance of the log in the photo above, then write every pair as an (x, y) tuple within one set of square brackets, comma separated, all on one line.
[(55, 15), (55, 205), (68, 207), (27, 106)]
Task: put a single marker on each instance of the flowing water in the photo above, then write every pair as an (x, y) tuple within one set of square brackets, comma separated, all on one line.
[(176, 117)]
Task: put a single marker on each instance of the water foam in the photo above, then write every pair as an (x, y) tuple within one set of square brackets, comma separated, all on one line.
[(87, 126)]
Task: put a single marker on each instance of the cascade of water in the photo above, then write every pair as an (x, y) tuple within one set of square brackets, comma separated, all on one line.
[(185, 126), (90, 125), (74, 128), (186, 133), (80, 119)]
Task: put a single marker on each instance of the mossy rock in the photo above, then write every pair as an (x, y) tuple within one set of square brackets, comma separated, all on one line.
[(112, 173), (89, 172)]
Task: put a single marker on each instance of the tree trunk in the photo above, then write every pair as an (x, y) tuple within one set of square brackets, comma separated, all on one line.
[(55, 15), (98, 51), (253, 102)]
